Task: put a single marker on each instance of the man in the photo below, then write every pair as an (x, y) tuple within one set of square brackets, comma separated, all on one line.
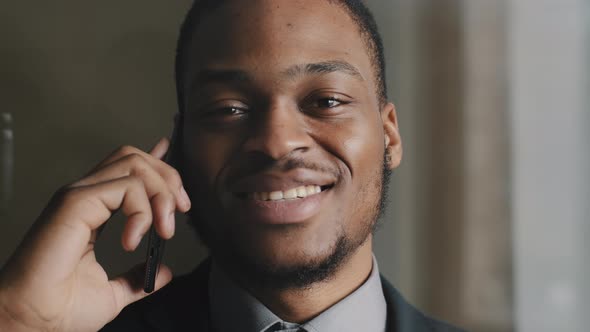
[(285, 142)]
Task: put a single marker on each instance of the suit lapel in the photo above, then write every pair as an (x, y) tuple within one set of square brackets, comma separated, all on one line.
[(402, 316)]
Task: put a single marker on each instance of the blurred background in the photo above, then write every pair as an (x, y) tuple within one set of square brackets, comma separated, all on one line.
[(489, 212)]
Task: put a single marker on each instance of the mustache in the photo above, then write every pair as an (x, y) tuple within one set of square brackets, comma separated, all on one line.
[(239, 169)]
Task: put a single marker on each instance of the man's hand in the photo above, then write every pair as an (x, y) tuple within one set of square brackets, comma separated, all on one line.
[(53, 281)]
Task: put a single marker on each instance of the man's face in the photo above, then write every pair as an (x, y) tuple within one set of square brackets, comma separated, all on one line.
[(282, 102)]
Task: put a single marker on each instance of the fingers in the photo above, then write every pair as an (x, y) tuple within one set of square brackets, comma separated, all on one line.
[(156, 153), (78, 212), (159, 150), (132, 161), (128, 287), (138, 206), (146, 189), (164, 182)]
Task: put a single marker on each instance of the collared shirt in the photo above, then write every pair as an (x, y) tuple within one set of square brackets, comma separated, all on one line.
[(234, 309)]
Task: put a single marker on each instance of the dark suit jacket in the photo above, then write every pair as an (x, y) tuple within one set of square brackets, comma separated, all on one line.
[(183, 305)]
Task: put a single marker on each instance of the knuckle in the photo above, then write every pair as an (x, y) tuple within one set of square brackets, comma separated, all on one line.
[(126, 150), (139, 166), (134, 184), (166, 198), (67, 196), (171, 197), (141, 171), (167, 195), (173, 177), (135, 158)]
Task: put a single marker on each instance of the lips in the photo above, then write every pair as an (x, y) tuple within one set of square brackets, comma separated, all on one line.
[(286, 198)]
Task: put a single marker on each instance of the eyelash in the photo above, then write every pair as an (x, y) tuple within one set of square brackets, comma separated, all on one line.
[(338, 101)]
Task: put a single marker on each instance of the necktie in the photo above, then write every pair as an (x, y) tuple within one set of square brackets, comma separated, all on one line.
[(285, 327)]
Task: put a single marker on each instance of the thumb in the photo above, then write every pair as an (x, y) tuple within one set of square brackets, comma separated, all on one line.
[(128, 287)]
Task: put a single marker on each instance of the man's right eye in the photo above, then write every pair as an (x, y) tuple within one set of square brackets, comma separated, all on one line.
[(227, 111), (224, 113)]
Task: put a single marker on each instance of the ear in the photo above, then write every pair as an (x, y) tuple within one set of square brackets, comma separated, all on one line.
[(393, 140)]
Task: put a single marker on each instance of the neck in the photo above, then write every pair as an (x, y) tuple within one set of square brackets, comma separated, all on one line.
[(303, 304)]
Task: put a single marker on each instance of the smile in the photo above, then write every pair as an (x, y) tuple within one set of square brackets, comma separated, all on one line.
[(288, 206), (283, 195)]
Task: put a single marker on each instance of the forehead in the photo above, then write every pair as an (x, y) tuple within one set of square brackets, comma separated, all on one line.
[(270, 36)]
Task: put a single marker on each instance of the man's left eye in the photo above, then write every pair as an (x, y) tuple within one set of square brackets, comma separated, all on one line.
[(328, 102)]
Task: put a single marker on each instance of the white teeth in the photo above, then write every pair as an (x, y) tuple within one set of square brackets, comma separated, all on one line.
[(301, 191), (290, 194), (293, 193), (276, 195)]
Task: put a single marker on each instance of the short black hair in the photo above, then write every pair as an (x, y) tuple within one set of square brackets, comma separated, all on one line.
[(357, 10)]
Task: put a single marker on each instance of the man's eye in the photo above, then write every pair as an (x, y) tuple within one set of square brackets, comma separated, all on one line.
[(223, 115), (229, 111), (328, 102)]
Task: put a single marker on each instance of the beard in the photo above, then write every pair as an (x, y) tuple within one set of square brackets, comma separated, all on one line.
[(257, 271)]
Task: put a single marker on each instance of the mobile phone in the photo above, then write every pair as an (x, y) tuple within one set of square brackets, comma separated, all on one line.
[(155, 249)]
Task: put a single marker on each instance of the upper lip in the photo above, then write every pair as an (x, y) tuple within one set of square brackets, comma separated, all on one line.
[(269, 182)]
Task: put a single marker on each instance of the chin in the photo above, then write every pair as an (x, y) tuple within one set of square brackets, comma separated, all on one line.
[(292, 260), (290, 254), (292, 269)]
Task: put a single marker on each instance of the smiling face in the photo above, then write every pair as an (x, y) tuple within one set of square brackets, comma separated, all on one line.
[(284, 136)]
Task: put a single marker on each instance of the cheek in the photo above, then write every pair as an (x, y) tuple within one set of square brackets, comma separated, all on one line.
[(363, 155), (356, 143)]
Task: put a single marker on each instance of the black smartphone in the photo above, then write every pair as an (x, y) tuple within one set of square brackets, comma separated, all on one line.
[(155, 250)]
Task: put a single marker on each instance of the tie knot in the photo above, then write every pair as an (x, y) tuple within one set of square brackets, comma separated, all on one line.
[(285, 327)]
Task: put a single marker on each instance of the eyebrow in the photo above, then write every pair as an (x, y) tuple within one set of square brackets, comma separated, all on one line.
[(237, 76), (324, 67)]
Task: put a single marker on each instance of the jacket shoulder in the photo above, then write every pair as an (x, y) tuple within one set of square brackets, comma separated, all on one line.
[(404, 317)]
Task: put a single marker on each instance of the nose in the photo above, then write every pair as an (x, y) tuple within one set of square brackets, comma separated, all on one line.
[(278, 131)]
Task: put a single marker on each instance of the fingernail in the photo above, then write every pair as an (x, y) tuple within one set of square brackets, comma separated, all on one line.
[(185, 198)]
